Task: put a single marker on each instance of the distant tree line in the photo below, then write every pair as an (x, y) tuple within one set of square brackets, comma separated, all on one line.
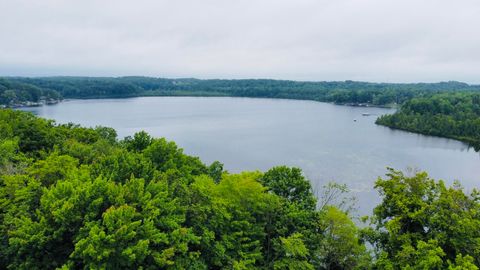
[(342, 92), (79, 198)]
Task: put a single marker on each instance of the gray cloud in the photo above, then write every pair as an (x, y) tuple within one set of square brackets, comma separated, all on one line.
[(370, 40)]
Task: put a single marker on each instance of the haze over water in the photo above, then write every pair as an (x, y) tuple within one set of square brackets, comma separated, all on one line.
[(256, 134)]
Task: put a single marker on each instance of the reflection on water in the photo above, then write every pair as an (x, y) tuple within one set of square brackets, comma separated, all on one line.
[(250, 134), (426, 141)]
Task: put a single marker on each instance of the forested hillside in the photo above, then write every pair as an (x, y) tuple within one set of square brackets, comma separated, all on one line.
[(79, 198), (347, 92), (14, 93), (451, 115)]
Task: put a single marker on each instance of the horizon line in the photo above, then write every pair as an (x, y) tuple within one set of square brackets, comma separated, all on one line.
[(232, 79)]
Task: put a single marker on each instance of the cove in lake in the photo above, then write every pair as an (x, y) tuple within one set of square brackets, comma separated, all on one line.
[(256, 134)]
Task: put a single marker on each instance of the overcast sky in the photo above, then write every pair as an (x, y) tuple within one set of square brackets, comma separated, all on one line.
[(367, 40)]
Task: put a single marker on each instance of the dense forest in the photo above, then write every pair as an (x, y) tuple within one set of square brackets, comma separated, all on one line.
[(451, 115), (346, 92), (80, 198), (13, 92)]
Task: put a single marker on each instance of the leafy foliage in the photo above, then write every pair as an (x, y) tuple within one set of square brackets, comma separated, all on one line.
[(452, 115), (422, 224), (79, 198)]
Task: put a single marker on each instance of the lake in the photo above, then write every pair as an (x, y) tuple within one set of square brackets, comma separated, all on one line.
[(256, 134)]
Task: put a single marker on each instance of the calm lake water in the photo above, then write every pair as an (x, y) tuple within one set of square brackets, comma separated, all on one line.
[(257, 134)]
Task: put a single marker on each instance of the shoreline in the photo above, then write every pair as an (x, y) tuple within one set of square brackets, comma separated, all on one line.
[(39, 104), (27, 104)]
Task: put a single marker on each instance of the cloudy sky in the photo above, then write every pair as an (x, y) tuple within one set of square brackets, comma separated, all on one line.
[(368, 40)]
